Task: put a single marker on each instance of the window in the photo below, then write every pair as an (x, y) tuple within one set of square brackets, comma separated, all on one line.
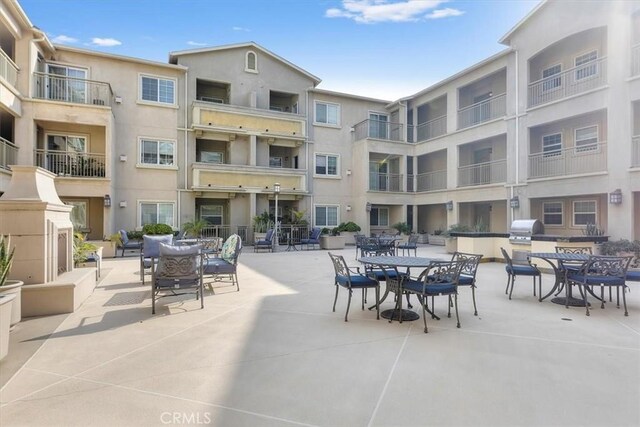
[(327, 113), (212, 214), (552, 213), (378, 126), (66, 83), (586, 66), (552, 145), (156, 213), (153, 152), (275, 162), (326, 216), (326, 164), (584, 212), (587, 138), (78, 214), (251, 62), (379, 217), (67, 143), (554, 82), (156, 89), (212, 157)]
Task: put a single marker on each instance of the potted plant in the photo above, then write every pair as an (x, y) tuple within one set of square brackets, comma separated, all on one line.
[(451, 242), (437, 238), (348, 230), (81, 248), (404, 230), (10, 287), (261, 223), (331, 239), (194, 228)]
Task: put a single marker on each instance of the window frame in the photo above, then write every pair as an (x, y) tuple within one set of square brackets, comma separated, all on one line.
[(67, 97), (141, 202), (552, 153), (378, 209), (327, 174), (327, 123), (78, 202), (67, 136), (573, 212), (221, 216), (141, 163), (158, 78), (561, 213), (549, 88), (274, 158), (326, 206), (587, 147), (246, 62), (584, 65), (221, 153)]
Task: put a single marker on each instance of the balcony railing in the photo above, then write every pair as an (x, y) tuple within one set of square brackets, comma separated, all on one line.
[(8, 69), (72, 163), (431, 181), (70, 89), (385, 182), (378, 129), (576, 80), (635, 60), (247, 233), (432, 129), (483, 111), (569, 161), (8, 153), (482, 173), (635, 151)]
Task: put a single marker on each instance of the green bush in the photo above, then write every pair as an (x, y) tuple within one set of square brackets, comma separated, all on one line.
[(349, 226), (456, 228), (157, 229), (134, 235), (402, 227)]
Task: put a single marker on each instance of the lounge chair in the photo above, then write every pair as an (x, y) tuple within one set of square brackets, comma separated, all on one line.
[(225, 267), (266, 243), (314, 238), (127, 244), (178, 272)]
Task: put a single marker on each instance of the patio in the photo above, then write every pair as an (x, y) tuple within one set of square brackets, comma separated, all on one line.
[(275, 354)]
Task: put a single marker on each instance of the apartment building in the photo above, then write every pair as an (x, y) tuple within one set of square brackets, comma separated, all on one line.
[(548, 128)]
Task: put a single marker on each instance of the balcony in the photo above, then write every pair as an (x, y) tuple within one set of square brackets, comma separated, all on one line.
[(635, 60), (8, 154), (238, 178), (432, 181), (569, 161), (574, 81), (431, 129), (635, 151), (377, 129), (483, 173), (72, 90), (8, 69), (390, 182), (72, 164), (483, 111)]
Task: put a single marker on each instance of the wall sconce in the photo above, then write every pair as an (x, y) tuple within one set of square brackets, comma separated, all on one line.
[(107, 201), (123, 203), (348, 171), (123, 157), (449, 205), (348, 208), (368, 207), (615, 197), (514, 202)]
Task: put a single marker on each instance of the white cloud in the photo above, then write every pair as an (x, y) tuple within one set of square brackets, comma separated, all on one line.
[(106, 42), (444, 13), (373, 11), (62, 39), (192, 43), (240, 29)]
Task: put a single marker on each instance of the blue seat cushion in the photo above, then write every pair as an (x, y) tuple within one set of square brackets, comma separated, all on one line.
[(217, 266), (432, 289), (597, 280), (357, 281), (633, 276), (522, 270), (310, 241), (465, 280), (408, 246), (263, 243), (379, 274)]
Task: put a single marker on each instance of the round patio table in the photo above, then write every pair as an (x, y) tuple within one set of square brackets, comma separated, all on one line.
[(560, 275)]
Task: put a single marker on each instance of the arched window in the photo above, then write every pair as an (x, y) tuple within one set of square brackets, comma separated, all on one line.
[(251, 62)]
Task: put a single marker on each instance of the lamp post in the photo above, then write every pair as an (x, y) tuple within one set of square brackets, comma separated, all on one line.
[(276, 190)]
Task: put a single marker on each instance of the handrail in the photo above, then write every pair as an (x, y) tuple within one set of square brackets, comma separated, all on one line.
[(570, 70), (486, 101), (8, 153), (71, 89)]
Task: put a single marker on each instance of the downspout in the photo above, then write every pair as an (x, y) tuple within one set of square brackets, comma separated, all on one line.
[(517, 140), (186, 135)]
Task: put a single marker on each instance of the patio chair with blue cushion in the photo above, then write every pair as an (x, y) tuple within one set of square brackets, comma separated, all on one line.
[(266, 243), (151, 251), (412, 244), (514, 270), (350, 278), (314, 238), (127, 244), (602, 271), (225, 267), (178, 272), (468, 273)]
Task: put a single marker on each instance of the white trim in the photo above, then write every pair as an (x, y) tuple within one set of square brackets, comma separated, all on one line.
[(573, 211), (553, 153), (582, 149), (562, 211), (597, 67), (328, 205), (338, 173), (378, 208), (328, 103), (140, 202), (157, 77), (246, 62), (140, 163)]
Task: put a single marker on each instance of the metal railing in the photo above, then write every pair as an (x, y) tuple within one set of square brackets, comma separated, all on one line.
[(247, 233), (569, 161), (385, 181), (8, 153), (567, 83), (8, 69), (635, 60), (71, 89), (378, 129), (432, 129), (483, 111), (72, 163), (482, 173), (431, 181), (410, 179), (635, 151)]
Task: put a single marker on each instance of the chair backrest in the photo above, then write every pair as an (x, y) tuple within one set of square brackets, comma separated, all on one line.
[(231, 249), (359, 238), (269, 235), (586, 250), (506, 257), (340, 265), (470, 266), (179, 262), (443, 272), (413, 239), (315, 233), (610, 266), (124, 237), (151, 245)]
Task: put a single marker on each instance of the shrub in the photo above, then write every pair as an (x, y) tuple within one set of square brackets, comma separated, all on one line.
[(81, 249), (456, 228), (349, 226), (402, 227), (134, 235), (157, 229)]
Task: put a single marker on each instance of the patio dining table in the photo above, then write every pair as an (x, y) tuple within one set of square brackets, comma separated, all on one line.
[(556, 260), (394, 262)]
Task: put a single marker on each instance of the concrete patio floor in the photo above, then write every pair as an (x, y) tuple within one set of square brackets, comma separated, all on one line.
[(275, 354)]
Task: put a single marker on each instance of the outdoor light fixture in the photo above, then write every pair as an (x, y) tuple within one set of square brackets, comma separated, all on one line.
[(615, 197), (450, 205), (107, 201), (276, 190), (514, 202), (348, 208), (368, 207)]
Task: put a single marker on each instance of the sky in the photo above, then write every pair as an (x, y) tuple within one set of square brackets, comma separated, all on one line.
[(384, 49)]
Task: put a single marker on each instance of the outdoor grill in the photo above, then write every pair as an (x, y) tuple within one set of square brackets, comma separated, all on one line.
[(522, 230)]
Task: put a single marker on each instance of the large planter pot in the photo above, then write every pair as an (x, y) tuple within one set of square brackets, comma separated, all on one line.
[(6, 305), (349, 237), (451, 244), (437, 239), (14, 287), (332, 242)]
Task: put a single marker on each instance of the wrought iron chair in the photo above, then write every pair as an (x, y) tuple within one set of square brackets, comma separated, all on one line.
[(514, 270), (225, 267), (178, 272), (127, 244), (412, 244), (151, 251), (468, 273), (602, 271), (266, 243), (350, 278), (314, 238), (360, 238)]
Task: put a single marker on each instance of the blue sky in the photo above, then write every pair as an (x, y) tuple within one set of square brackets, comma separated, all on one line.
[(379, 48)]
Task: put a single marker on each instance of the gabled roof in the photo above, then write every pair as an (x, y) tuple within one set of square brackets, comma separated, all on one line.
[(119, 57), (173, 56), (505, 39)]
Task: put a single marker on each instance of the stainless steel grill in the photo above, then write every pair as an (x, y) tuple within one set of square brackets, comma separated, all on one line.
[(522, 230)]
